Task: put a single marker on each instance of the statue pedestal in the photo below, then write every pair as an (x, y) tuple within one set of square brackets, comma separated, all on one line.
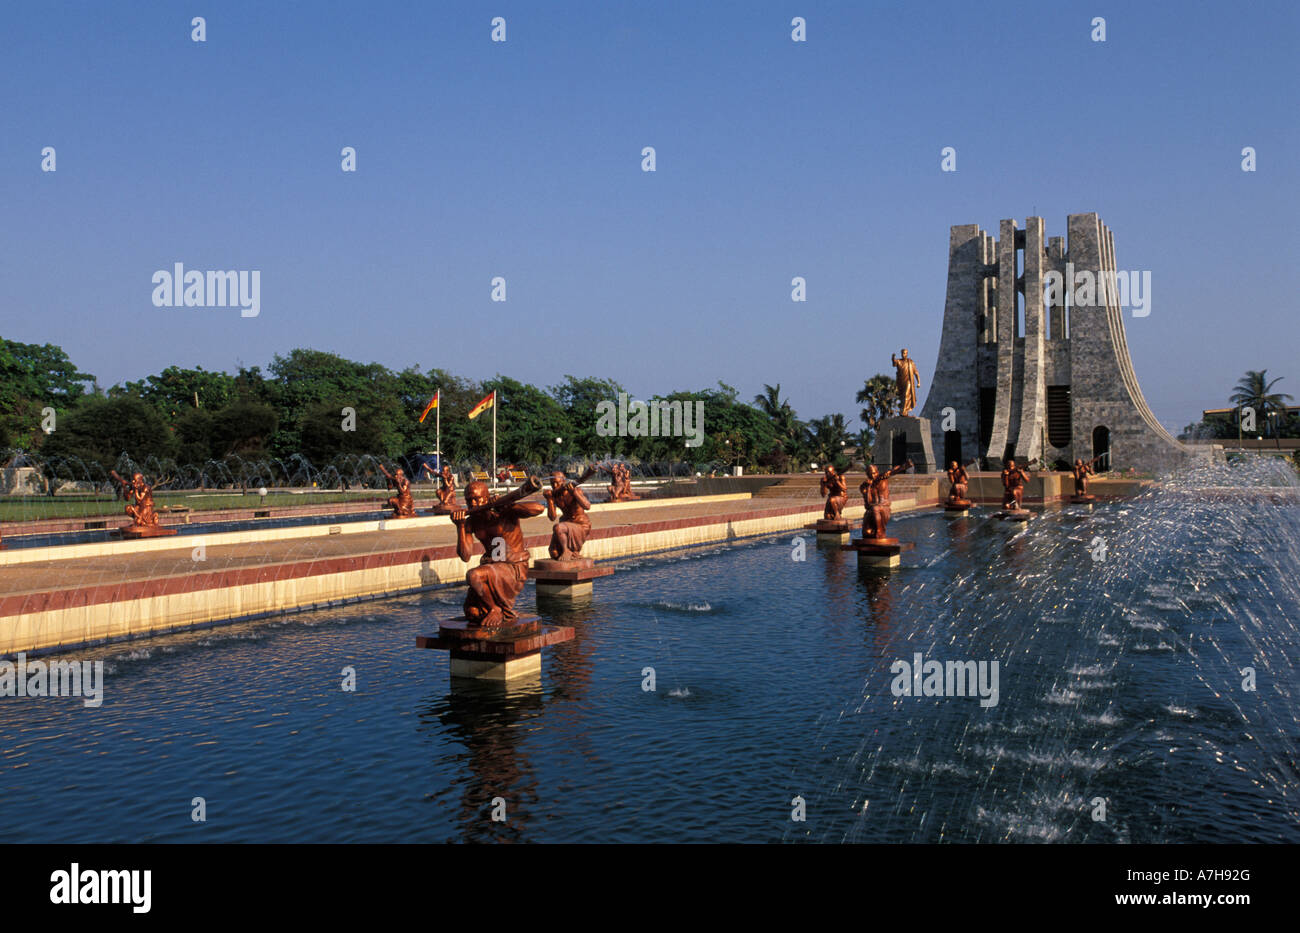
[(899, 439), (441, 510), (566, 579), (1083, 500), (833, 531), (1015, 515), (878, 553), (498, 653), (957, 507), (132, 532)]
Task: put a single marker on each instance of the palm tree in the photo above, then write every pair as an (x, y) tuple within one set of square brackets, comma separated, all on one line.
[(880, 396), (826, 437), (769, 401), (787, 427), (864, 440), (1254, 391)]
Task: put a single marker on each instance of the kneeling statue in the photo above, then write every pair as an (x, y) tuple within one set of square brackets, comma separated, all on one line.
[(499, 578)]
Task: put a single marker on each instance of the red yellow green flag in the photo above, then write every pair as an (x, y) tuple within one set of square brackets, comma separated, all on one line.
[(433, 403), (484, 405)]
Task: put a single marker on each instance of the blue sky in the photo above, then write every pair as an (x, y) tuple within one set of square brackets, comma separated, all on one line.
[(522, 159)]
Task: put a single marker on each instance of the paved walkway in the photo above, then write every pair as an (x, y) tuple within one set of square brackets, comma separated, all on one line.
[(106, 578)]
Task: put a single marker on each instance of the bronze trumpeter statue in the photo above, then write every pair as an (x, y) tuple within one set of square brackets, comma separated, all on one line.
[(1013, 486), (446, 488), (875, 496), (493, 642), (959, 483), (402, 504), (836, 490), (620, 490), (571, 522), (1081, 473), (139, 506), (959, 480), (498, 579), (139, 500)]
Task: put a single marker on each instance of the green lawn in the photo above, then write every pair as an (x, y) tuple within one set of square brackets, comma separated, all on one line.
[(32, 508)]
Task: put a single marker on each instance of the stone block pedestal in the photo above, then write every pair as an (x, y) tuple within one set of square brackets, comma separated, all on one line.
[(566, 579), (878, 553), (500, 653), (1015, 515), (835, 531), (910, 436)]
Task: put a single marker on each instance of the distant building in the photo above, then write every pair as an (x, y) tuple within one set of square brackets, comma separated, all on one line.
[(1229, 415)]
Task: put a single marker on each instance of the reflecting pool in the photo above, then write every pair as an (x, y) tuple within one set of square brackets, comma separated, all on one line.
[(1127, 638)]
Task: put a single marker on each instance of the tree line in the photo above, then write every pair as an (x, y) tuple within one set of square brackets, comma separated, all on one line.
[(297, 407)]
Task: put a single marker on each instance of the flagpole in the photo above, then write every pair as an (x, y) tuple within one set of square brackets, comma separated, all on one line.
[(494, 437), (437, 441)]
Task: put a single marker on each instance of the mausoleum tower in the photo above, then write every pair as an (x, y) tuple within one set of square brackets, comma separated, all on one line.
[(1036, 373)]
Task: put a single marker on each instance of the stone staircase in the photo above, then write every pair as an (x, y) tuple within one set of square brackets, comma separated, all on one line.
[(806, 486)]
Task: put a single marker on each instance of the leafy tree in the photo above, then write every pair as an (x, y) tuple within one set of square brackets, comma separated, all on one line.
[(33, 377), (528, 422), (251, 384), (194, 436), (175, 390), (100, 430), (322, 438), (244, 428), (306, 384), (726, 419), (579, 398)]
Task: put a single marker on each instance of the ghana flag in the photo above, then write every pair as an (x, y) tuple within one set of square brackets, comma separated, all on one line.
[(433, 403), (484, 405)]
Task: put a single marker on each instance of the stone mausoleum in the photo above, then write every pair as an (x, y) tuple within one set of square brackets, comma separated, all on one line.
[(1037, 373)]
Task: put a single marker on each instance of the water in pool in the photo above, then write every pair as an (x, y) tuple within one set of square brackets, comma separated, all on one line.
[(1123, 712)]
